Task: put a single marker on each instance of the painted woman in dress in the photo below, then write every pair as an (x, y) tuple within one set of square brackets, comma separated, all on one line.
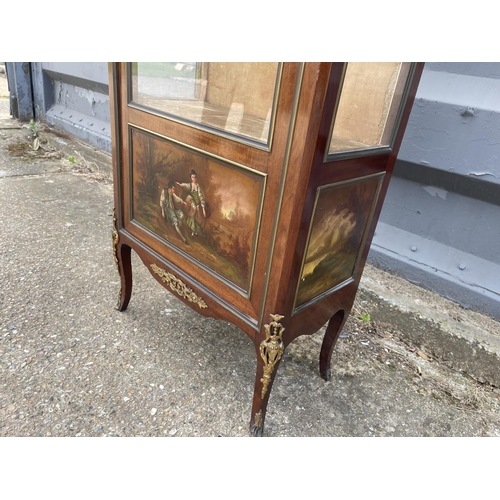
[(195, 200)]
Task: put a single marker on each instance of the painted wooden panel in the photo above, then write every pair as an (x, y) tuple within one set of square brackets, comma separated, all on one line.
[(203, 206), (341, 216)]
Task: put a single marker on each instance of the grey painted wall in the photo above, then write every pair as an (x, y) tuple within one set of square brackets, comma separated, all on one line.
[(455, 124), (75, 97), (21, 94), (440, 224)]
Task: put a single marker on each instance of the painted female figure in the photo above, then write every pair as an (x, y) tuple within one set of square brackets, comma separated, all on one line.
[(196, 204)]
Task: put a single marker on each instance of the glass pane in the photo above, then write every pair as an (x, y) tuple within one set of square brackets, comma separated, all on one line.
[(234, 97), (368, 107)]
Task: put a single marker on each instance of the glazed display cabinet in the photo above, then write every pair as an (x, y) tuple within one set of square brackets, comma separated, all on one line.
[(251, 191)]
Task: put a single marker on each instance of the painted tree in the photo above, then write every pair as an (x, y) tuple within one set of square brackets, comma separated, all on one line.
[(157, 163)]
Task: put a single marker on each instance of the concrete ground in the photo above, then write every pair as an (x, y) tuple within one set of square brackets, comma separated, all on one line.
[(409, 363)]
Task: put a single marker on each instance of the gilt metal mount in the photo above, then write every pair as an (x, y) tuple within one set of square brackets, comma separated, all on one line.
[(179, 287), (271, 349), (116, 238)]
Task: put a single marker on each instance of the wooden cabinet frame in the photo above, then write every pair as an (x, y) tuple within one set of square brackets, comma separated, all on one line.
[(298, 176)]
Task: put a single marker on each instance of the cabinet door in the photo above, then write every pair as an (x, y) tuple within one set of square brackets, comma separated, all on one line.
[(199, 151)]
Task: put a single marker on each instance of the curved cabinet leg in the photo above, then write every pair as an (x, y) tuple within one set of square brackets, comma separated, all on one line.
[(122, 255), (330, 339), (269, 356)]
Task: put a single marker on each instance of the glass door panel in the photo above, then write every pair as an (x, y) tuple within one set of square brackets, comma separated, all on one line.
[(238, 99), (368, 108)]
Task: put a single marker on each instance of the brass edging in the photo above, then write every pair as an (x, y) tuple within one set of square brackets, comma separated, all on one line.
[(322, 295), (277, 90), (116, 239), (271, 349), (369, 221), (335, 110), (178, 286), (131, 205), (264, 176), (117, 162), (128, 71), (198, 150), (404, 100), (286, 160), (267, 146), (358, 180)]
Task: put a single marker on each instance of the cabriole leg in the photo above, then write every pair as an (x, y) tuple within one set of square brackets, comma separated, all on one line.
[(330, 339), (122, 255)]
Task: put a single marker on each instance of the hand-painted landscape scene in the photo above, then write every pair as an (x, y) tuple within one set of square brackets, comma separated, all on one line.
[(205, 207), (339, 223)]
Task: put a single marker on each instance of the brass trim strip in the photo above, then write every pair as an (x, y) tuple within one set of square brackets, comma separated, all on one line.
[(370, 219), (131, 207), (264, 146), (286, 160), (179, 287), (117, 161), (322, 295), (116, 239), (272, 122), (198, 150), (334, 115)]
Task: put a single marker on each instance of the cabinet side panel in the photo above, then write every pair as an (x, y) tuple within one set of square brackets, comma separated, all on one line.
[(342, 214)]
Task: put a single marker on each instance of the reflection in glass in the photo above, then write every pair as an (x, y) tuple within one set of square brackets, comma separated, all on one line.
[(234, 97), (369, 103)]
